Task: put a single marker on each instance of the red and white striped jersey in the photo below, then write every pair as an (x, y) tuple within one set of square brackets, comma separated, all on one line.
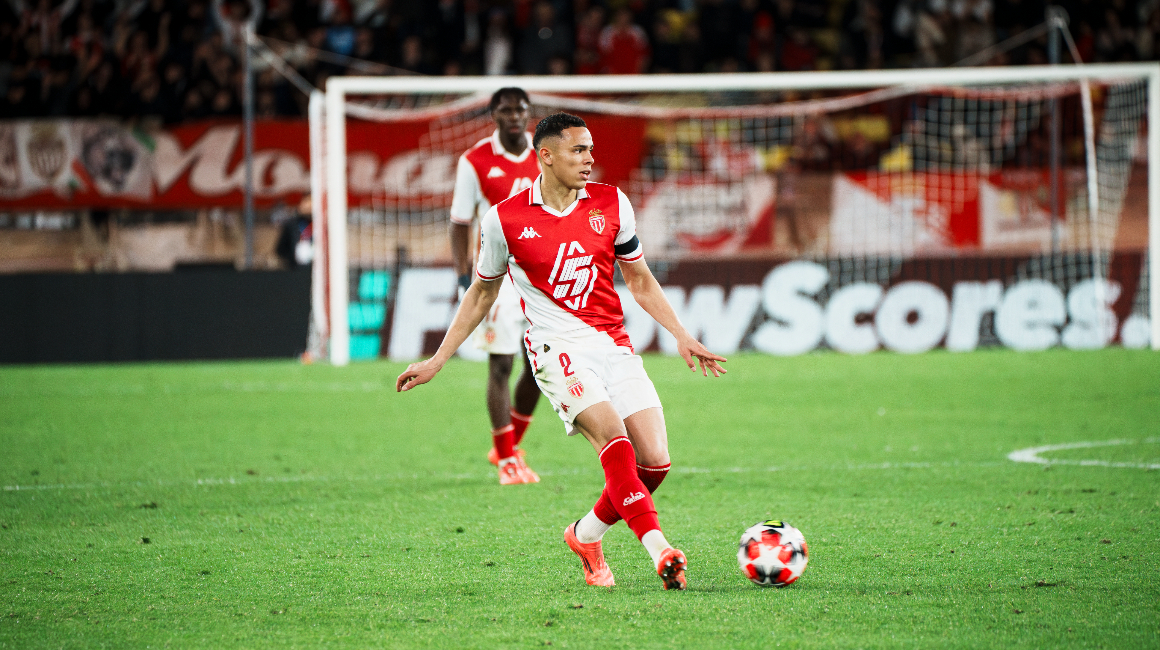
[(562, 262), (487, 174)]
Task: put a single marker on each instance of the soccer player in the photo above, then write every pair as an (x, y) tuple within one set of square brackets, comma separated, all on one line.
[(558, 241), (496, 168)]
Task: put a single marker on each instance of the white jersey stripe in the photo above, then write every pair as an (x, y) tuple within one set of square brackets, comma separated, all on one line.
[(556, 267)]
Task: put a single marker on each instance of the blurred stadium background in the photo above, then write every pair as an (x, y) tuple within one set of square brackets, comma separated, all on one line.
[(126, 231)]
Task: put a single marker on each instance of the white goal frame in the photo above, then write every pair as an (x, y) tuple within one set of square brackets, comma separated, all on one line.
[(339, 88)]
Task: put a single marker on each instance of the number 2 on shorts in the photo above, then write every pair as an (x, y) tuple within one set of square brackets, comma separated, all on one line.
[(564, 363)]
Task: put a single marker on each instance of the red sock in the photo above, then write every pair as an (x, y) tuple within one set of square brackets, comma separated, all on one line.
[(624, 488), (650, 476), (504, 445), (520, 424)]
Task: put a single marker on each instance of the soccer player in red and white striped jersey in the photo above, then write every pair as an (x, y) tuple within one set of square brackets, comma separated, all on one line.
[(494, 169), (558, 241)]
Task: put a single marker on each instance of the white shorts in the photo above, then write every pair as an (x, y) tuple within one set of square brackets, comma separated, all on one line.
[(577, 372), (502, 330)]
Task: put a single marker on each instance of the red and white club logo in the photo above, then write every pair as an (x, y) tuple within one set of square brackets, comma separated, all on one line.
[(573, 276), (596, 220), (575, 387)]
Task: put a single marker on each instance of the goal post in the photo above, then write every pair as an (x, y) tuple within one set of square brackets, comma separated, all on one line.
[(978, 121)]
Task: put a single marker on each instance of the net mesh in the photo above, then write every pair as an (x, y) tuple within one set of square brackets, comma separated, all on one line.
[(863, 182)]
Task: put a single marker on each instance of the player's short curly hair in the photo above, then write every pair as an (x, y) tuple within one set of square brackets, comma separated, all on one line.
[(553, 127), (510, 91)]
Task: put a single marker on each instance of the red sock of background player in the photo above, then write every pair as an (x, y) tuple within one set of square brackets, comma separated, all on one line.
[(603, 516), (504, 443), (520, 424)]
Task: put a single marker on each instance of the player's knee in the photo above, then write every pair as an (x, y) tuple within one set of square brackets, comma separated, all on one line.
[(499, 367)]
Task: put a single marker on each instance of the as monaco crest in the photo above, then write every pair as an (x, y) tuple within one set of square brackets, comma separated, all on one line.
[(574, 385), (596, 220)]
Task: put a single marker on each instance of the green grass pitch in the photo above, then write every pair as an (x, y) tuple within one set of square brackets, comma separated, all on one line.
[(279, 505)]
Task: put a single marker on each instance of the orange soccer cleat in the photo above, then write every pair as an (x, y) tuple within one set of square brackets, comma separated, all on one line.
[(529, 475), (512, 471), (671, 569), (493, 456), (596, 571)]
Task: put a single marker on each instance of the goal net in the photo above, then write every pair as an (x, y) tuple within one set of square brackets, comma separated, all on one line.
[(958, 207)]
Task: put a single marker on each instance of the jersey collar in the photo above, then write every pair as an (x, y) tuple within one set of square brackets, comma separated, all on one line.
[(497, 147), (537, 198)]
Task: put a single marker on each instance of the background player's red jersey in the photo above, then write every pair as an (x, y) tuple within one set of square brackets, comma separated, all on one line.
[(488, 174)]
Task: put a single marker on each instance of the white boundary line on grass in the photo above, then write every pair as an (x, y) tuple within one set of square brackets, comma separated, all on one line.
[(467, 476), (1032, 454)]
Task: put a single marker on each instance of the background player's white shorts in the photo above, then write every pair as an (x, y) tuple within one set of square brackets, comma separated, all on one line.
[(502, 330), (575, 373)]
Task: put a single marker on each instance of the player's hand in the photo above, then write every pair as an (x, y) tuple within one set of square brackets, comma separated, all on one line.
[(691, 348), (417, 374)]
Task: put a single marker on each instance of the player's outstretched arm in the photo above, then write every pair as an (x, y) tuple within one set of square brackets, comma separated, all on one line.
[(648, 294), (474, 306)]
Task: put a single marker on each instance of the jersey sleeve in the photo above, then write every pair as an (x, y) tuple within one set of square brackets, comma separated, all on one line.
[(493, 250), (628, 248), (468, 193)]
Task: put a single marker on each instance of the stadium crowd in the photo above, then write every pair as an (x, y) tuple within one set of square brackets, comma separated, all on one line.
[(175, 61)]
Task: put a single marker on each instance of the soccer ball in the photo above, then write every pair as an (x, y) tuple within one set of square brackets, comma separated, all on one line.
[(772, 553)]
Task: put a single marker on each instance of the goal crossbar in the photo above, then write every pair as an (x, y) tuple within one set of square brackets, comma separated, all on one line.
[(338, 89)]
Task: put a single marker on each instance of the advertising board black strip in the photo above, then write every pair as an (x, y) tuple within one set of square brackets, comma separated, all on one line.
[(211, 314)]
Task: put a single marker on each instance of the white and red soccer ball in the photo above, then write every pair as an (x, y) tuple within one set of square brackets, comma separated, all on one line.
[(772, 553)]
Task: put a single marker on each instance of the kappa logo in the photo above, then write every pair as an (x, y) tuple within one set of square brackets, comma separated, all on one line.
[(596, 220), (564, 406), (528, 233), (633, 498), (495, 172)]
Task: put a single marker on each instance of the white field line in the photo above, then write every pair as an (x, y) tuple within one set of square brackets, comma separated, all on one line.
[(471, 476), (1028, 455), (1032, 454)]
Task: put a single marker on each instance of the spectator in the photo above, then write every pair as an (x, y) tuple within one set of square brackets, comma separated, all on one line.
[(366, 48), (762, 42), (718, 28), (193, 107), (798, 52), (543, 39), (224, 104), (588, 40), (624, 46), (174, 84), (497, 49), (340, 36), (666, 40), (975, 28), (146, 100), (932, 34), (559, 65), (447, 30), (471, 49), (413, 57), (862, 36), (692, 49)]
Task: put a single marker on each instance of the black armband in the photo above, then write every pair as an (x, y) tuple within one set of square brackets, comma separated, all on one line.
[(627, 247), (465, 281)]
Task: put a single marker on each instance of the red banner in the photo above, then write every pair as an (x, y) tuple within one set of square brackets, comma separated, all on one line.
[(69, 164)]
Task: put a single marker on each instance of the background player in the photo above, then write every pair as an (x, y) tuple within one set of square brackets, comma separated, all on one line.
[(559, 241), (494, 169)]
